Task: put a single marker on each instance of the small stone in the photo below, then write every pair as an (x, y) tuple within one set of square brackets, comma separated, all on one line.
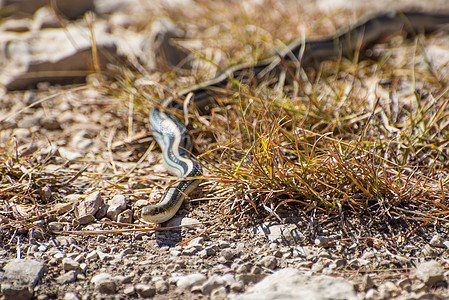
[(430, 272), (70, 264), (71, 296), (161, 286), (223, 244), (144, 290), (211, 284), (435, 241), (219, 294), (116, 205), (125, 217), (106, 286), (50, 123), (227, 254), (129, 291), (367, 282), (387, 290), (322, 241), (371, 294), (187, 281), (269, 262), (67, 277), (175, 252), (55, 226), (88, 207)]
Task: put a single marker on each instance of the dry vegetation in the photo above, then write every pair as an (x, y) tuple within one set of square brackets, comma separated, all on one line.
[(353, 139)]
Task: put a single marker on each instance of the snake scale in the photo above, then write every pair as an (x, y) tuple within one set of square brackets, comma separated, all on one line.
[(173, 138)]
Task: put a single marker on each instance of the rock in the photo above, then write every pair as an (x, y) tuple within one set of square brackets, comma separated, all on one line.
[(68, 154), (292, 284), (70, 264), (126, 216), (71, 296), (145, 290), (269, 262), (367, 283), (211, 284), (20, 277), (116, 205), (275, 231), (55, 226), (129, 291), (219, 294), (430, 272), (161, 286), (67, 277), (88, 207), (435, 241), (227, 254), (50, 123), (187, 281), (41, 56)]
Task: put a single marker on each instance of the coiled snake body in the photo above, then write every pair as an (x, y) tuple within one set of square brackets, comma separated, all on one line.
[(174, 140)]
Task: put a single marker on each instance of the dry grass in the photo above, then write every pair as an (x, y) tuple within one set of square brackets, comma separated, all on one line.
[(354, 137)]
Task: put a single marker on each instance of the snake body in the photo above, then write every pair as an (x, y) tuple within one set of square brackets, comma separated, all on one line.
[(173, 138)]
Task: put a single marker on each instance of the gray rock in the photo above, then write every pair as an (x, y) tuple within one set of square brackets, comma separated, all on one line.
[(435, 241), (116, 205), (20, 277), (292, 284), (219, 293), (187, 281), (145, 290), (430, 272), (161, 286), (55, 226), (41, 56), (269, 262), (49, 123), (275, 231), (88, 207), (125, 217), (67, 277), (71, 296), (129, 291), (227, 254), (70, 264), (211, 284)]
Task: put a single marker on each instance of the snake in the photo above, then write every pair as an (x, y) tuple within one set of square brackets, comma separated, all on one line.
[(173, 138)]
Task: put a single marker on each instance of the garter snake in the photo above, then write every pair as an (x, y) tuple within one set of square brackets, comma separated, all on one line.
[(173, 138)]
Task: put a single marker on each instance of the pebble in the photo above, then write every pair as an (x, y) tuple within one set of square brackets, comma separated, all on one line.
[(227, 254), (145, 290), (269, 262), (125, 217), (435, 241), (70, 264), (211, 284), (129, 290), (186, 282), (71, 296), (116, 205), (430, 272), (67, 277), (161, 286), (87, 208)]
